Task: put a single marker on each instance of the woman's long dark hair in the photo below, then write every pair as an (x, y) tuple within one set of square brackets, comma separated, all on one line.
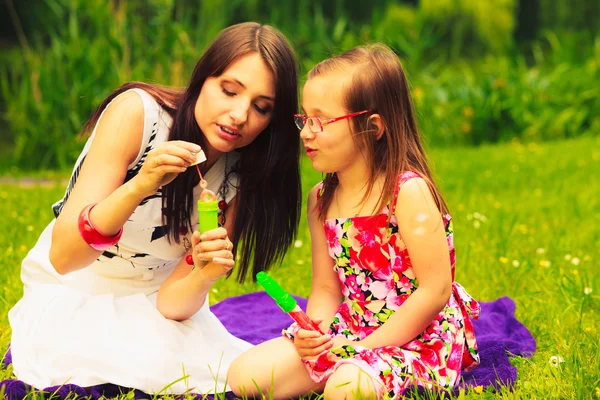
[(269, 192)]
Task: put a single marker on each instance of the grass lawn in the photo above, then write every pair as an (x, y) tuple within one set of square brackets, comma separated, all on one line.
[(526, 226)]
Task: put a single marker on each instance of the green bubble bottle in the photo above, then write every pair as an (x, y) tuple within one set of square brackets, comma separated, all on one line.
[(208, 209), (286, 302)]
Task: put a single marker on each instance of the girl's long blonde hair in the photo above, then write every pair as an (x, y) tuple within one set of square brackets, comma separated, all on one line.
[(378, 83)]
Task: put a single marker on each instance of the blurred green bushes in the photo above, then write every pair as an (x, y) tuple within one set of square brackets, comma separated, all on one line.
[(472, 81)]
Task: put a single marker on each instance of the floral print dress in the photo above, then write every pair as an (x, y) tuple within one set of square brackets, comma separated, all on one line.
[(376, 277)]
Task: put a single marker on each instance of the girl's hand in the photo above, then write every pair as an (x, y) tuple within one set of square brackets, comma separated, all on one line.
[(163, 164), (213, 252), (340, 341), (309, 344)]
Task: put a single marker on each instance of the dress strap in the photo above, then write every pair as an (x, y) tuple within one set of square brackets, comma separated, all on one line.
[(405, 176)]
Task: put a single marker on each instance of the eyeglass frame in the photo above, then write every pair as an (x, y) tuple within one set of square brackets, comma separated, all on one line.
[(320, 124)]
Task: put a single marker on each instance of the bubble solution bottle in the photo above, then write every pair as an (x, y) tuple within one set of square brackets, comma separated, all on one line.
[(208, 210)]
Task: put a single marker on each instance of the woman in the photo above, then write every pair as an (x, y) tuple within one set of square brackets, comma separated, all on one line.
[(115, 290)]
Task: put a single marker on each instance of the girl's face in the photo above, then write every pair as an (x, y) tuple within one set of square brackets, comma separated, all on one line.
[(233, 108), (333, 149)]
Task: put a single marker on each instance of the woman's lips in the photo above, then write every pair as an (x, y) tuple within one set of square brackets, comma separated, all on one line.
[(227, 132)]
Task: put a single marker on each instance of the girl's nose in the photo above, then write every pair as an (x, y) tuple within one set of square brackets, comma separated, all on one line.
[(306, 133)]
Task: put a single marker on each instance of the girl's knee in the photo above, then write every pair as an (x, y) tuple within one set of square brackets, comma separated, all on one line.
[(263, 368), (235, 375), (350, 382)]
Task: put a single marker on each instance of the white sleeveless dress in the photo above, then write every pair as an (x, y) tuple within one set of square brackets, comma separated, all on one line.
[(100, 324)]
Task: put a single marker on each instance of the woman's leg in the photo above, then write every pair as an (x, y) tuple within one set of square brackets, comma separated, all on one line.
[(271, 367)]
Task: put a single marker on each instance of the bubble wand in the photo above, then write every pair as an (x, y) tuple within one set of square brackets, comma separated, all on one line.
[(208, 206)]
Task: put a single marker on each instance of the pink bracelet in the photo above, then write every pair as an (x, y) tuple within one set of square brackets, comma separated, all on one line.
[(91, 236)]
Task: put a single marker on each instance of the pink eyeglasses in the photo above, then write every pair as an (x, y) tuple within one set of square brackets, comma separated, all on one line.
[(316, 124)]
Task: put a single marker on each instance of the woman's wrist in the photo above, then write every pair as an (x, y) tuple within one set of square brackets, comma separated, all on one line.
[(201, 280), (137, 191)]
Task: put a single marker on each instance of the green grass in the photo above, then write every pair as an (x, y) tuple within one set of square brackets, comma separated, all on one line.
[(526, 226)]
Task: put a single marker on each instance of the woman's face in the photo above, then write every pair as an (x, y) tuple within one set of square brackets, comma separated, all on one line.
[(234, 108)]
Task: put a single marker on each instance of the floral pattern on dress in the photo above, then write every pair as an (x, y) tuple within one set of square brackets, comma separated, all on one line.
[(376, 277)]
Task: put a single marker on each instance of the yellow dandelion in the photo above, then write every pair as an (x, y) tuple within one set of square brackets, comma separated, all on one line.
[(597, 392), (575, 272), (23, 248), (588, 329), (478, 389), (468, 112), (418, 94), (503, 260), (499, 83)]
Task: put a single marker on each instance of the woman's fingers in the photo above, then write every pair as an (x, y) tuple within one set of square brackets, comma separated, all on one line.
[(188, 146), (217, 233), (214, 246), (182, 154)]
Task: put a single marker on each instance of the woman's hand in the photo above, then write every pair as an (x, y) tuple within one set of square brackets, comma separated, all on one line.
[(163, 164), (213, 252), (309, 344)]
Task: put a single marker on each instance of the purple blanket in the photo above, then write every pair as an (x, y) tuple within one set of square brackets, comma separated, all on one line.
[(498, 334)]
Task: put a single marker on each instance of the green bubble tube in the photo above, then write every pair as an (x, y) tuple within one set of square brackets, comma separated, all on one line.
[(208, 217), (286, 302)]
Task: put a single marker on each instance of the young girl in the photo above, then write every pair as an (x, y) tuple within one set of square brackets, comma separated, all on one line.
[(111, 294), (383, 287)]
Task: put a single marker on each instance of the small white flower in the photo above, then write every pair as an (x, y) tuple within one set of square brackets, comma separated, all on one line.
[(215, 290), (587, 290), (476, 215), (515, 263), (541, 250), (476, 224), (567, 257), (555, 361), (575, 261), (298, 244)]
